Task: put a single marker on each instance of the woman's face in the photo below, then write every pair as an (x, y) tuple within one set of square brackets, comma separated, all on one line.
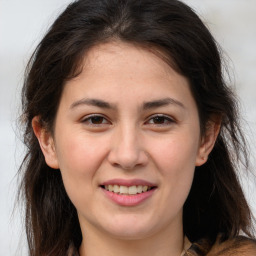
[(127, 123)]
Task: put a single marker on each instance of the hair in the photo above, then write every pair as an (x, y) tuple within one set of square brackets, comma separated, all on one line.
[(216, 203)]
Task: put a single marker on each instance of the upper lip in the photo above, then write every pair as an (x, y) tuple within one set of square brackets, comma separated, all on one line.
[(128, 182)]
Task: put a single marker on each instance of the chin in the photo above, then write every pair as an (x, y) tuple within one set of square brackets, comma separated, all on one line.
[(132, 229), (130, 234)]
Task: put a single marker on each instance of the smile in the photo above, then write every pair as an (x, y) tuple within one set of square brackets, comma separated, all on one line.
[(125, 190), (128, 192)]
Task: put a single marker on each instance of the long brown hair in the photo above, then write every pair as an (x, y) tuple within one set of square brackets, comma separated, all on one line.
[(216, 203)]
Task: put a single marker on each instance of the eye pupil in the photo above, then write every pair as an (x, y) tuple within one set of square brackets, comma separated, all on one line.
[(97, 119), (159, 119)]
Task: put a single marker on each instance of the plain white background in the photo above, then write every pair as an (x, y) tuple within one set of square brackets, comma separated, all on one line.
[(22, 25)]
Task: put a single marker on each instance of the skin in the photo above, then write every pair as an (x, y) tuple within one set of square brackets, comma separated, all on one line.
[(127, 141)]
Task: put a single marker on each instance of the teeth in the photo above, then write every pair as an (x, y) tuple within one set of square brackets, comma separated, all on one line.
[(116, 189), (132, 190), (139, 189), (145, 188), (123, 190)]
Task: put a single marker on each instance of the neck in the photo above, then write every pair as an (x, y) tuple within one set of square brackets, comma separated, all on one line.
[(160, 244)]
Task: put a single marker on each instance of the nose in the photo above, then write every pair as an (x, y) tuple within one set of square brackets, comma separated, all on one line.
[(127, 151)]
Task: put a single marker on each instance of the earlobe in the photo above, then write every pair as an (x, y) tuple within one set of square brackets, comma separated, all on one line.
[(46, 142), (208, 141)]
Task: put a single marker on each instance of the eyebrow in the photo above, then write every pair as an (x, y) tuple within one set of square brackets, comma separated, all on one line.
[(92, 102), (161, 103), (146, 105)]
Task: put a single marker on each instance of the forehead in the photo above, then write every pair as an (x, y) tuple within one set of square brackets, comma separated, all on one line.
[(127, 59), (122, 68)]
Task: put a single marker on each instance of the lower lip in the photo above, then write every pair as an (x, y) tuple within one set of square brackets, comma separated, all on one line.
[(129, 200)]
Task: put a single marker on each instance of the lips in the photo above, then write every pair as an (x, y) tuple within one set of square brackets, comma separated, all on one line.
[(128, 192)]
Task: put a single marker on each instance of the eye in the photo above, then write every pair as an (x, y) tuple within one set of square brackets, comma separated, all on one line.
[(95, 120), (160, 120)]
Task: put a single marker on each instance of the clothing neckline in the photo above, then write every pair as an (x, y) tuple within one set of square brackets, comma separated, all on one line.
[(187, 244)]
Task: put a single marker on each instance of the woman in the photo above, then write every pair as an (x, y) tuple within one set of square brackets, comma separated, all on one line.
[(133, 136)]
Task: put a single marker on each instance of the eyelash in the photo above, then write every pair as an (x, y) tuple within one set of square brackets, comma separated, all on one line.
[(166, 120), (89, 119)]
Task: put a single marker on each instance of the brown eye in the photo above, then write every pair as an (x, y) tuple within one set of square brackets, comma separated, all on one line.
[(95, 120), (160, 120)]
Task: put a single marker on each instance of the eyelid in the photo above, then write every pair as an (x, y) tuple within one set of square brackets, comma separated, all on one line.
[(170, 119), (88, 117)]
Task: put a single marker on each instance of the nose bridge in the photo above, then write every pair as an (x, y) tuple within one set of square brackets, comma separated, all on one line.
[(127, 149), (129, 140)]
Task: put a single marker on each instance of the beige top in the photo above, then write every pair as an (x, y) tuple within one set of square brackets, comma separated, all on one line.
[(186, 246)]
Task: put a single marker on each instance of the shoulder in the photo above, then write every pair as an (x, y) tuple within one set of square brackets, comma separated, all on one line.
[(238, 246)]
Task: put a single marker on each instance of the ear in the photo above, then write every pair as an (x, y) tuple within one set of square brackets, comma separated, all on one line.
[(208, 141), (46, 142)]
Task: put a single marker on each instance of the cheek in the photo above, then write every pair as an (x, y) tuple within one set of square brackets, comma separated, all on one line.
[(79, 160), (177, 154), (176, 162), (79, 155), (175, 159)]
